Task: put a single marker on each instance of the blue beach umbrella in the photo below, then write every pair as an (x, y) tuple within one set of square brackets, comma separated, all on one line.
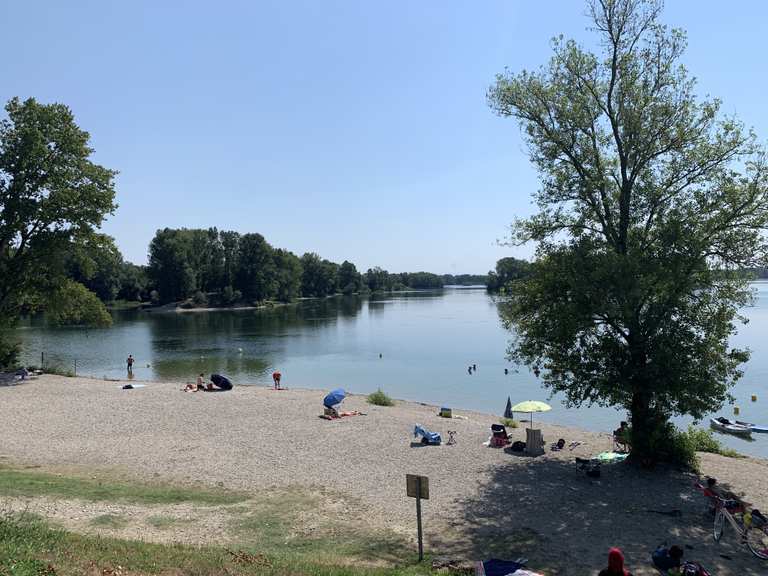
[(335, 397)]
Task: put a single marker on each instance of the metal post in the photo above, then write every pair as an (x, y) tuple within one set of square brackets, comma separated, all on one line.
[(75, 366), (42, 360), (418, 520)]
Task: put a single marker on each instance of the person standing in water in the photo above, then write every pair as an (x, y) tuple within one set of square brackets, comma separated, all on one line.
[(276, 379), (129, 362)]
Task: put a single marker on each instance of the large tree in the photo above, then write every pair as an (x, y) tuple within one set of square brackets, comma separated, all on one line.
[(51, 196), (651, 205)]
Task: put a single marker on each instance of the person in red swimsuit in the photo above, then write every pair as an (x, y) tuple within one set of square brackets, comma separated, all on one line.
[(276, 379)]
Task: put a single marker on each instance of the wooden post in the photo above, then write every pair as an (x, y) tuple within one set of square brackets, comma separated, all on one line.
[(418, 519), (418, 487)]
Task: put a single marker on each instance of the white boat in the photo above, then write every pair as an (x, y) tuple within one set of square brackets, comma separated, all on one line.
[(729, 426)]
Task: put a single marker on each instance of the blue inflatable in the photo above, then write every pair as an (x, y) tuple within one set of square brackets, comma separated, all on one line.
[(427, 437)]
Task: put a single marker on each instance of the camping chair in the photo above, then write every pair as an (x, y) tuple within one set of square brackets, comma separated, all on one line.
[(499, 436), (620, 443), (534, 442)]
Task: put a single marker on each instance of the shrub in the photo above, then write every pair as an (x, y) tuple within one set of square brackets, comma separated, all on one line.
[(380, 399), (680, 447), (199, 299), (509, 422)]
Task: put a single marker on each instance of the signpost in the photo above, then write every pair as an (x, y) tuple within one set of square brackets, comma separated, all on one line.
[(418, 487)]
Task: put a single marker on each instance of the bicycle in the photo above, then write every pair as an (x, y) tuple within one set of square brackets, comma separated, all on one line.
[(751, 526)]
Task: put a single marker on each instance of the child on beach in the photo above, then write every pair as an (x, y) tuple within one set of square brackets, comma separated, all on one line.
[(129, 362)]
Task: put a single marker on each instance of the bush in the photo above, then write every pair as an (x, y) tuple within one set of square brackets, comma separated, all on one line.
[(681, 446), (154, 297), (9, 353), (199, 299), (509, 422), (380, 399)]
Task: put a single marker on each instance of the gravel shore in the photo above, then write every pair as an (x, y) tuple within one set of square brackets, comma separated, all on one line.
[(483, 501)]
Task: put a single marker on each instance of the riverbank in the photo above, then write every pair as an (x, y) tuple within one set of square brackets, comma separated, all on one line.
[(483, 502)]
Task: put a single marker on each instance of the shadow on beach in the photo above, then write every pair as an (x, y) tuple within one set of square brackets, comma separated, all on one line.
[(550, 512)]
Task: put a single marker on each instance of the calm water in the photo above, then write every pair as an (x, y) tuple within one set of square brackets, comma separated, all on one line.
[(426, 341)]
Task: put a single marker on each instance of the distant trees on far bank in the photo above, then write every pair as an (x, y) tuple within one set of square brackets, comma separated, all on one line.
[(227, 267), (507, 271)]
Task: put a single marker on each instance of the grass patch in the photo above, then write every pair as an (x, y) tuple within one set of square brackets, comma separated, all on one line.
[(380, 399), (29, 547), (29, 484), (166, 522), (109, 521), (509, 422)]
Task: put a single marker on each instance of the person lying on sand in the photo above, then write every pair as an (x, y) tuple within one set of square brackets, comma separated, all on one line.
[(615, 564), (199, 385)]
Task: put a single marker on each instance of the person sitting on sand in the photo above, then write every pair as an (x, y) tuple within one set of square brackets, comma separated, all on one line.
[(668, 560), (615, 564)]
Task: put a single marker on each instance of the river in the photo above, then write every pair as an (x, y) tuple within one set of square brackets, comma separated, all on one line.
[(415, 346)]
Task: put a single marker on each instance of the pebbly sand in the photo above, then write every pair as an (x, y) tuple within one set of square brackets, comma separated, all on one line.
[(483, 501)]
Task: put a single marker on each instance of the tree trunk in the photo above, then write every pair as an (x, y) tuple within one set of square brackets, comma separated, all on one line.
[(648, 437)]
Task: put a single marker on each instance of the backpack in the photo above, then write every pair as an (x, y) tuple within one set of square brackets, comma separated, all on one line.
[(518, 446)]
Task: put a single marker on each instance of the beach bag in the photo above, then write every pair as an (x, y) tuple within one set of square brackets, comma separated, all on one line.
[(518, 446), (693, 569)]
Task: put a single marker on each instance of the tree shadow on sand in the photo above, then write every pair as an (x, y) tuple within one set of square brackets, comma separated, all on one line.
[(548, 510)]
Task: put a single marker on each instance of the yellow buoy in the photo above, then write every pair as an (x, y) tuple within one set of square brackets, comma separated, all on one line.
[(736, 410)]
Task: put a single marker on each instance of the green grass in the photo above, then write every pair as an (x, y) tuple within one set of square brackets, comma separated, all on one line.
[(380, 399), (28, 484), (166, 522), (29, 547), (109, 521)]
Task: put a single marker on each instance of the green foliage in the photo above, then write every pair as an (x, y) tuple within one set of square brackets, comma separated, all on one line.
[(72, 304), (256, 272), (380, 399), (319, 277), (349, 278), (9, 351), (651, 205), (199, 299), (509, 422), (52, 197), (465, 280), (508, 270)]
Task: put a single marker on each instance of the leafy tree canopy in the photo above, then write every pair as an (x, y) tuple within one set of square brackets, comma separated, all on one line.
[(652, 203), (51, 197)]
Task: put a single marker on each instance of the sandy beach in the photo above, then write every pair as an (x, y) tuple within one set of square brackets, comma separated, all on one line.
[(484, 501)]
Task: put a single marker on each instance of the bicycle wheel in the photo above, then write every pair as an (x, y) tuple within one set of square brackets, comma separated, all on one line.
[(757, 541), (717, 528)]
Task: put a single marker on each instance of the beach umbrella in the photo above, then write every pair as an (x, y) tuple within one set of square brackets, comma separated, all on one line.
[(508, 410), (531, 406), (334, 397)]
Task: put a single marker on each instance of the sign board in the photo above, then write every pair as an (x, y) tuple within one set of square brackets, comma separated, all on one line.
[(417, 486)]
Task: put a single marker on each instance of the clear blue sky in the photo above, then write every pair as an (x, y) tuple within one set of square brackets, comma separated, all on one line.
[(356, 129)]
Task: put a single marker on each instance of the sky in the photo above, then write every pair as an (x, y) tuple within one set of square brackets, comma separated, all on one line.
[(355, 129)]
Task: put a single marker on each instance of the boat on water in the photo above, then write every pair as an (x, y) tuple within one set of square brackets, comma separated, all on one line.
[(730, 426), (753, 427)]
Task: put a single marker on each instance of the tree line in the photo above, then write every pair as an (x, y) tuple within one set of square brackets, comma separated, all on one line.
[(219, 267)]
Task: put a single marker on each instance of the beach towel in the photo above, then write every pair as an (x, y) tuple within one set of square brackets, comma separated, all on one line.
[(612, 456), (342, 415)]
